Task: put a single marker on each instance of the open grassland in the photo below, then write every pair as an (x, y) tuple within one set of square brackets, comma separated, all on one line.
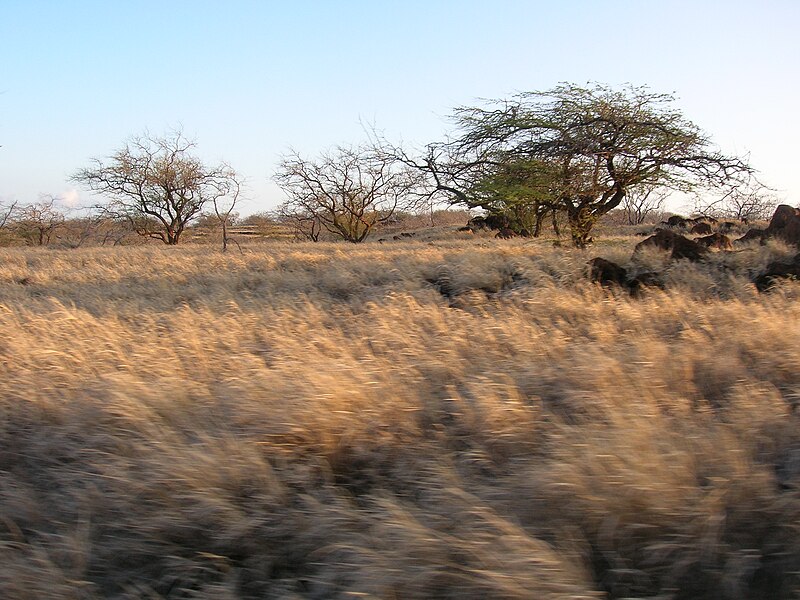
[(321, 421)]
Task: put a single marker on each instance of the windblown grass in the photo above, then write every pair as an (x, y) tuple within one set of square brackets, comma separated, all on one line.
[(322, 421)]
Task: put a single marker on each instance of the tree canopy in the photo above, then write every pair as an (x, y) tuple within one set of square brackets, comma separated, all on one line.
[(158, 185), (578, 149), (346, 191)]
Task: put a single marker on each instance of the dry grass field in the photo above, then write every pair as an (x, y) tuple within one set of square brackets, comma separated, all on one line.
[(321, 421)]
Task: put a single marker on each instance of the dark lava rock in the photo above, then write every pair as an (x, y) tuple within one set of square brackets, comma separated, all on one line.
[(752, 235), (642, 281), (676, 221), (506, 234), (717, 241), (701, 229), (785, 225), (607, 273), (778, 270), (679, 246)]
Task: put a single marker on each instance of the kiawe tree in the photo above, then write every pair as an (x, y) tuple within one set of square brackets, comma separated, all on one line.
[(158, 185), (6, 212), (37, 222), (347, 191), (749, 200), (584, 149), (517, 194), (642, 202)]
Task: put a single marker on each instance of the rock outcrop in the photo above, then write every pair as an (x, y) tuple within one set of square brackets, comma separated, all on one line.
[(716, 241), (784, 225), (778, 270), (678, 246), (701, 229), (752, 235), (609, 274), (506, 234)]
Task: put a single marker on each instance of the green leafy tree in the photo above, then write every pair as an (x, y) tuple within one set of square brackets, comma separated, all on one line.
[(585, 148), (518, 195)]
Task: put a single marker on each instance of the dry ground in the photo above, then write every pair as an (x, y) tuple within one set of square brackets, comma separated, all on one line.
[(319, 421)]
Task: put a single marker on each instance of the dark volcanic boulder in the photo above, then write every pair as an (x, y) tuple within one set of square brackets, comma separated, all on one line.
[(785, 225), (497, 222), (701, 229), (716, 240), (752, 235), (476, 223), (676, 221), (778, 270), (607, 273), (506, 234), (443, 284), (643, 281), (679, 246)]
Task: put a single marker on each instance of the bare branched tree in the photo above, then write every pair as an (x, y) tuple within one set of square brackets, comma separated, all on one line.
[(78, 231), (157, 185), (224, 203), (642, 202), (6, 212), (346, 192), (92, 228), (749, 200), (305, 225), (36, 223)]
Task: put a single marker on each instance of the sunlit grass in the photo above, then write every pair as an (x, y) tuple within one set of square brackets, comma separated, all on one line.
[(319, 420)]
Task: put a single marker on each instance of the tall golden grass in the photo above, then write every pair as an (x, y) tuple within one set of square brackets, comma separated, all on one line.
[(319, 421)]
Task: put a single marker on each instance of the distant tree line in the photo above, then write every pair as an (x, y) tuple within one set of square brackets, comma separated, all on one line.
[(561, 158), (567, 155), (44, 223)]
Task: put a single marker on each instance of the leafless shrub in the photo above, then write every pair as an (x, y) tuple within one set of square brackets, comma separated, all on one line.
[(346, 192), (641, 204), (158, 186), (749, 201), (36, 223)]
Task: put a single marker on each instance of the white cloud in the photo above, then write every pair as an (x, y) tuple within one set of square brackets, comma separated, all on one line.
[(70, 198)]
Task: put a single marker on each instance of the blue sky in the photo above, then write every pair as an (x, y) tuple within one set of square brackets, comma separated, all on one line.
[(248, 80)]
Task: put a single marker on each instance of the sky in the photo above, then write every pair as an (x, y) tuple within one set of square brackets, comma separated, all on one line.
[(248, 80)]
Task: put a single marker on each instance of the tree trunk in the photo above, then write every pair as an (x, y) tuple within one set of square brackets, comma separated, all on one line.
[(556, 227), (581, 221), (537, 227)]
